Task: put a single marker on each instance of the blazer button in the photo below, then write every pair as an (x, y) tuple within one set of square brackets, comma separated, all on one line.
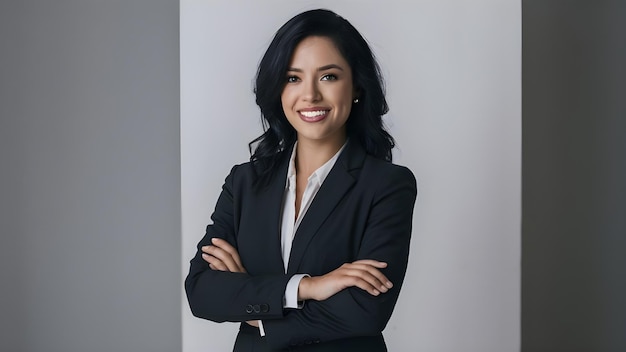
[(257, 308), (265, 308), (249, 308)]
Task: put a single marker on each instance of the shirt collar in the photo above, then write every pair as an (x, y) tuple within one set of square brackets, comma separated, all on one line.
[(318, 175)]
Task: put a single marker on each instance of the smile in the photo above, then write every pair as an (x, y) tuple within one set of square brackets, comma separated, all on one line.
[(313, 115)]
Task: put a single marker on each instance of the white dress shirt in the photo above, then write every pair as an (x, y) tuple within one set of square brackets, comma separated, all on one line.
[(289, 226)]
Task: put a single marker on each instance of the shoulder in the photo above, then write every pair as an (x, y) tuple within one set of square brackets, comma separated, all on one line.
[(239, 173), (370, 169), (247, 173), (384, 180), (386, 184), (385, 172)]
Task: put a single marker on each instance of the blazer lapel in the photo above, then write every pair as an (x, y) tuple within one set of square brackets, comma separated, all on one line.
[(340, 179)]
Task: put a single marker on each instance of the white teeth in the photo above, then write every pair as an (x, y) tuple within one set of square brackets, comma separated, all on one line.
[(313, 113)]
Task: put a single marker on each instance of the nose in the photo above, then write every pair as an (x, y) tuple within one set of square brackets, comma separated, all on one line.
[(311, 91)]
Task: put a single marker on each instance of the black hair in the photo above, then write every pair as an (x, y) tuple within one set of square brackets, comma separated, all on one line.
[(364, 125)]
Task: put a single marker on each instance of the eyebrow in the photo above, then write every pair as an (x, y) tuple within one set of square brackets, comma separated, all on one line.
[(319, 69)]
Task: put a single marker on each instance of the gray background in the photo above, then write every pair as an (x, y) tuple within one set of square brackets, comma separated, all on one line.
[(89, 188), (574, 176)]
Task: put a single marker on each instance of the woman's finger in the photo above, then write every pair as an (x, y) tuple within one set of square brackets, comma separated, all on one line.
[(368, 275), (214, 263), (372, 262), (377, 278), (224, 245), (365, 286), (225, 257)]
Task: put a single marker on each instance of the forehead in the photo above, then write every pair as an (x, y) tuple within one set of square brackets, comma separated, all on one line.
[(317, 50)]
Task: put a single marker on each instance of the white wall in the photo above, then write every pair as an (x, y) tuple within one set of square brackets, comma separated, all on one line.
[(453, 79)]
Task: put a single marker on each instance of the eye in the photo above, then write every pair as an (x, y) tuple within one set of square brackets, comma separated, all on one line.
[(329, 77), (292, 79)]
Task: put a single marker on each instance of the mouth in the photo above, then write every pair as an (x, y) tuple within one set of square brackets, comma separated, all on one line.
[(313, 115)]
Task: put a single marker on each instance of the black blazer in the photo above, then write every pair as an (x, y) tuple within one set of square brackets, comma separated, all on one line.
[(363, 210)]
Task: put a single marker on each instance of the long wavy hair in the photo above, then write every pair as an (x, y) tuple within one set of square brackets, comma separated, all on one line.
[(364, 125)]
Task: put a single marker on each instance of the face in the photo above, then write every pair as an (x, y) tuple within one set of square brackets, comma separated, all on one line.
[(318, 93)]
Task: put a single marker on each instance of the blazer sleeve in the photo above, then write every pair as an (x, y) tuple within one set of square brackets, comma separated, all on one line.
[(224, 296), (353, 312)]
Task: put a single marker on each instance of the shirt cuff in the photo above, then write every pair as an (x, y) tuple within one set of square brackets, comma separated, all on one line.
[(261, 329), (291, 292)]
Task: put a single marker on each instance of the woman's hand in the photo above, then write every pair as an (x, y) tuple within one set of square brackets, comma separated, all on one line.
[(364, 274), (254, 323), (222, 256)]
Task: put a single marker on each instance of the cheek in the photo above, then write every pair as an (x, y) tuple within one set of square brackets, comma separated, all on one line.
[(286, 99), (346, 100), (287, 104), (346, 95)]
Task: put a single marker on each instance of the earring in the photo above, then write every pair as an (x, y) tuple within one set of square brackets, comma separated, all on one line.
[(356, 100)]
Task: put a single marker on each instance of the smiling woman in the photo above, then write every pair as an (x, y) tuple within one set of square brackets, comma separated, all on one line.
[(319, 93), (310, 239), (453, 86)]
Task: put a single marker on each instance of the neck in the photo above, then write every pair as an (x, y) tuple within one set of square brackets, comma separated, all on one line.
[(310, 155)]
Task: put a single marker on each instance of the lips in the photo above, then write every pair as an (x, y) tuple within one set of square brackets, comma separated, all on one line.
[(313, 115)]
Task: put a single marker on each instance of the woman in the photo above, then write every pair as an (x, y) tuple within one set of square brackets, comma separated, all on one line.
[(310, 239)]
